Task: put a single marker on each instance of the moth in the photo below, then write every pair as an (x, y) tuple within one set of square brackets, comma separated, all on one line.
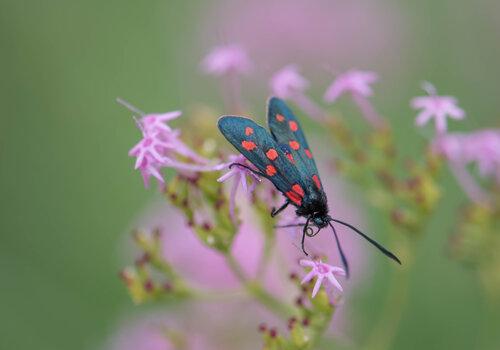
[(282, 155)]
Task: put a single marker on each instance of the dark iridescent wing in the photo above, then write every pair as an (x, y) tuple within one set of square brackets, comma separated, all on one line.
[(256, 144), (286, 130)]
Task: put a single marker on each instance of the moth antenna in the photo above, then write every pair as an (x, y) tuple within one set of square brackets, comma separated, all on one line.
[(373, 242), (341, 252)]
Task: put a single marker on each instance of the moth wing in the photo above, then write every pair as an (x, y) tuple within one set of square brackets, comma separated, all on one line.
[(257, 145), (286, 130)]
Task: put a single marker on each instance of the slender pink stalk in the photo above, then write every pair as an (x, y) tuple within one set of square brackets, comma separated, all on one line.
[(468, 184), (368, 111)]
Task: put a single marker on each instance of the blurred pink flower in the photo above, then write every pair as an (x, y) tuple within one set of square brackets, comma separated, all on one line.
[(354, 82), (451, 146), (226, 59), (150, 332), (483, 147), (240, 175), (357, 84), (288, 82), (437, 107), (350, 32)]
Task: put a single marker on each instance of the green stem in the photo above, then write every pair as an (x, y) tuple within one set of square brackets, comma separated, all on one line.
[(266, 256), (256, 290), (383, 333)]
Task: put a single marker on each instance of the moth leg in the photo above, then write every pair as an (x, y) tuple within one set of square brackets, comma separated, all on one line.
[(275, 211), (248, 168), (304, 232)]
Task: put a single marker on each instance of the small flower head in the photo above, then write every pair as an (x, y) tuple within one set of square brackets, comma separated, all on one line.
[(451, 146), (159, 148), (355, 82), (287, 82), (226, 59), (483, 147), (320, 270), (155, 123), (437, 107), (240, 175)]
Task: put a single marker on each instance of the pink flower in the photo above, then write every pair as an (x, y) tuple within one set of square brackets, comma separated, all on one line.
[(451, 146), (287, 82), (437, 107), (321, 270), (153, 123), (355, 82), (160, 147), (240, 175), (226, 59), (483, 147)]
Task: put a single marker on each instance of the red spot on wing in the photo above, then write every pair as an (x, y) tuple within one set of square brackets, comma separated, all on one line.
[(293, 125), (270, 170), (294, 197), (308, 153), (248, 131), (298, 189), (316, 181), (290, 158), (248, 145), (272, 154), (294, 145), (279, 117)]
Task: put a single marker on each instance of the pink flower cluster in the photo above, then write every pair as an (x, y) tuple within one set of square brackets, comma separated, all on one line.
[(480, 147), (160, 147)]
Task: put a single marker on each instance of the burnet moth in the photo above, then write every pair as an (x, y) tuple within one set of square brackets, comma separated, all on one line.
[(284, 158)]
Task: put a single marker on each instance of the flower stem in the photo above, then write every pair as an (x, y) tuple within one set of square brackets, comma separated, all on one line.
[(469, 186), (256, 290), (369, 111), (309, 107), (236, 268), (385, 329)]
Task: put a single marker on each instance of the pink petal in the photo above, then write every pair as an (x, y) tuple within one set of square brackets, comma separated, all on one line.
[(317, 285), (305, 262), (168, 116), (226, 176), (308, 277), (441, 124), (421, 102), (334, 281), (423, 117), (337, 271)]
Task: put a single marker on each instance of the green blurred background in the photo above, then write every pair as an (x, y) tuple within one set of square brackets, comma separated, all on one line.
[(69, 192)]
